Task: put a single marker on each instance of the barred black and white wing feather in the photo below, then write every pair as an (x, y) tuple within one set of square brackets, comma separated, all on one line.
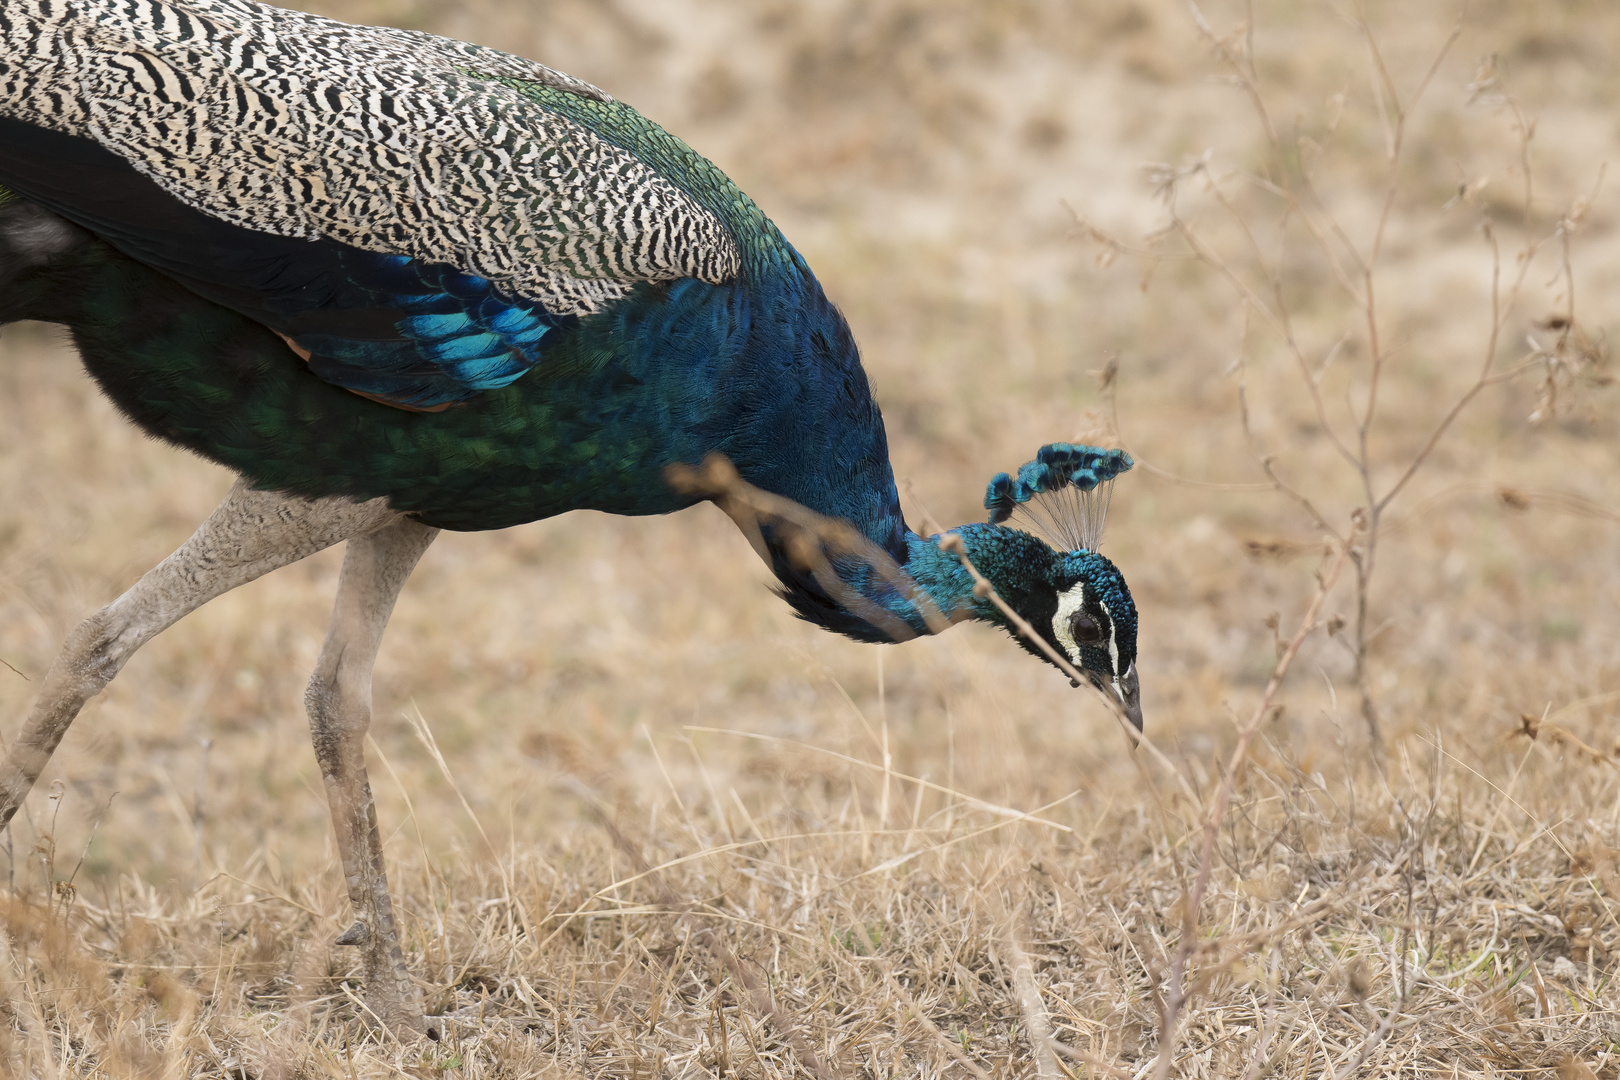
[(397, 205)]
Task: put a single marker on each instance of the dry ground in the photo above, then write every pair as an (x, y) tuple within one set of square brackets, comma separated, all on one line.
[(611, 695)]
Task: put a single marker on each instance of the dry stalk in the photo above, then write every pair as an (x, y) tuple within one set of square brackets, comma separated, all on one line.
[(1176, 995), (1037, 1025), (922, 782), (809, 537)]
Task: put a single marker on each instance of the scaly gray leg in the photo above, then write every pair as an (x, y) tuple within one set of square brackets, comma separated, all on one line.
[(339, 702), (251, 533)]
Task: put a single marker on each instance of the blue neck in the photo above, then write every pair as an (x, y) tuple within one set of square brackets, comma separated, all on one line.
[(866, 604), (820, 442)]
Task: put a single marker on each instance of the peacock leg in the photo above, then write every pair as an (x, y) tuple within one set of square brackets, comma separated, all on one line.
[(339, 702), (250, 534)]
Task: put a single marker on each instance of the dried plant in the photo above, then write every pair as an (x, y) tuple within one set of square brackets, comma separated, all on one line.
[(1256, 228)]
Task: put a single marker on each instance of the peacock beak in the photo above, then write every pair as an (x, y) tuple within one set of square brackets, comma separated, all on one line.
[(1130, 695)]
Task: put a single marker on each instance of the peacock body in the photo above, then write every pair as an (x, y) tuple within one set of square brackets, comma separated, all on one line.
[(400, 283), (431, 222)]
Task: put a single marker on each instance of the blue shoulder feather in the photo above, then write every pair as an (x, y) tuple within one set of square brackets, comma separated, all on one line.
[(456, 335)]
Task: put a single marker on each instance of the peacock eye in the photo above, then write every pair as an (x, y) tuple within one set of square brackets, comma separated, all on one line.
[(1085, 629)]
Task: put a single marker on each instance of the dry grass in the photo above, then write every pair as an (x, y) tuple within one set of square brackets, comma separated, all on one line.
[(678, 834)]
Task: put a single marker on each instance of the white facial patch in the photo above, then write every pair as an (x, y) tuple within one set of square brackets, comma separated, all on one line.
[(1113, 648), (1069, 603)]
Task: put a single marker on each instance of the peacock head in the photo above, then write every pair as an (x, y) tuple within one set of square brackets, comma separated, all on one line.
[(1073, 596)]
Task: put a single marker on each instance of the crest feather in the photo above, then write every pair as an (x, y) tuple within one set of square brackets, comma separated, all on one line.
[(1064, 493)]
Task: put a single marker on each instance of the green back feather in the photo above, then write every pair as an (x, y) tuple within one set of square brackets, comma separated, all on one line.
[(763, 246)]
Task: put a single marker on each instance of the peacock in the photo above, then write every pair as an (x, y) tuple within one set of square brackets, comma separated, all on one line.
[(400, 284)]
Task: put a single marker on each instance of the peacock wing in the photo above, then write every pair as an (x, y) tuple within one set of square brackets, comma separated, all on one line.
[(406, 210)]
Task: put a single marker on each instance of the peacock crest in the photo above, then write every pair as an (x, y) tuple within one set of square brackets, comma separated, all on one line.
[(1063, 493)]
